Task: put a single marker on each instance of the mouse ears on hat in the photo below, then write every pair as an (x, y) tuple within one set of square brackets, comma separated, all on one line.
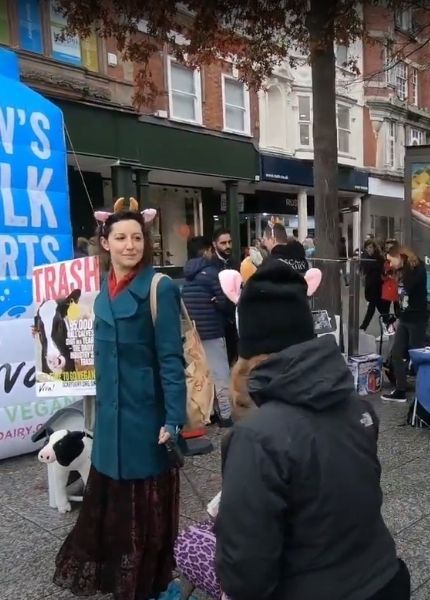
[(231, 283), (130, 204), (313, 278)]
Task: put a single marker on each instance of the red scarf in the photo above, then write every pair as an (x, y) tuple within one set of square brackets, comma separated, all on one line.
[(115, 287)]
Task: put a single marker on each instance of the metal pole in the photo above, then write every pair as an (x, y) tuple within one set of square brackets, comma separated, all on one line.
[(354, 308), (233, 217)]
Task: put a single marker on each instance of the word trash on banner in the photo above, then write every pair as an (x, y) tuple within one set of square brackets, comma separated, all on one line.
[(64, 295)]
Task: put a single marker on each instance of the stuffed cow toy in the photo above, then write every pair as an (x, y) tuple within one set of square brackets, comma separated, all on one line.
[(64, 452)]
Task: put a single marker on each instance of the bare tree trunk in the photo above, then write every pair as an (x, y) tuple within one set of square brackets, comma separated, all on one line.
[(323, 66)]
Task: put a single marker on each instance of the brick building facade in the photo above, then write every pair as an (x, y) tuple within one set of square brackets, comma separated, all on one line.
[(397, 102)]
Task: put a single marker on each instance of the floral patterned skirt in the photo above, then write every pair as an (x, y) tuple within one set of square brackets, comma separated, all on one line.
[(123, 540)]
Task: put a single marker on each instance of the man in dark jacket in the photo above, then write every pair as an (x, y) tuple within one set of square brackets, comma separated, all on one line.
[(206, 304), (290, 250), (300, 513), (222, 259)]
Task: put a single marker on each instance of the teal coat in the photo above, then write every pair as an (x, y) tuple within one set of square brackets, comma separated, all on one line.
[(140, 378)]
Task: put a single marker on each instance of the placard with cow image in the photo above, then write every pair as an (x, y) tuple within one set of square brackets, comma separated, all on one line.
[(64, 295)]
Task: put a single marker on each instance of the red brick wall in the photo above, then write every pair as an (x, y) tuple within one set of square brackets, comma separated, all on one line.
[(211, 78)]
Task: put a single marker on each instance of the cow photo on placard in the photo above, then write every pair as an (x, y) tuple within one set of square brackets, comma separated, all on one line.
[(63, 296)]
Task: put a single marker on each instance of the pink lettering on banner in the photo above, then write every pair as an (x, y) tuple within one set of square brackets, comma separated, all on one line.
[(19, 432)]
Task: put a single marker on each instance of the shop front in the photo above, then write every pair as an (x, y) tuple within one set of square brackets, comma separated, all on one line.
[(383, 209), (176, 170), (293, 179)]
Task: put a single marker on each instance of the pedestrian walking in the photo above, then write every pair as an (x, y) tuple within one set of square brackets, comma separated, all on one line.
[(207, 306), (372, 266), (300, 511), (124, 536), (413, 317), (223, 259)]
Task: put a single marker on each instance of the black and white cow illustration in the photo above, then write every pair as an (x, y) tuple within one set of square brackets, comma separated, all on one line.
[(50, 324)]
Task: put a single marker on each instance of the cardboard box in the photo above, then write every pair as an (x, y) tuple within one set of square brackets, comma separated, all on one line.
[(367, 372)]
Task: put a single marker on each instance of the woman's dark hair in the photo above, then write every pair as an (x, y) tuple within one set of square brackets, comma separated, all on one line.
[(106, 227), (197, 246), (375, 246)]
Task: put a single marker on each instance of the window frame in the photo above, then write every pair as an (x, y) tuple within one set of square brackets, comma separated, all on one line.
[(342, 65), (348, 131), (421, 136), (246, 107), (415, 86), (402, 81), (391, 143), (198, 109), (306, 122)]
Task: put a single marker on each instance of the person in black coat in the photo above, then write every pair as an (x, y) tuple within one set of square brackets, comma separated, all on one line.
[(413, 316), (300, 512), (372, 266), (207, 307)]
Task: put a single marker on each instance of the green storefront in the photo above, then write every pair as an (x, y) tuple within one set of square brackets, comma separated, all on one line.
[(114, 153)]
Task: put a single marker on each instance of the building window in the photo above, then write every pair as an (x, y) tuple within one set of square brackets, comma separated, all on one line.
[(417, 137), (402, 80), (342, 56), (305, 120), (235, 105), (343, 128), (403, 19), (184, 93), (414, 85), (391, 143)]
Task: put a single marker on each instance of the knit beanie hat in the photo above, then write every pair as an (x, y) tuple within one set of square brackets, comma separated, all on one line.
[(273, 310)]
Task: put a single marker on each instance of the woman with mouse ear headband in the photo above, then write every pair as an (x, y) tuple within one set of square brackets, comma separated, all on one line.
[(123, 540)]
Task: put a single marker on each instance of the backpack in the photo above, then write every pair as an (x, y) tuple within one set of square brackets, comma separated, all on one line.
[(200, 386)]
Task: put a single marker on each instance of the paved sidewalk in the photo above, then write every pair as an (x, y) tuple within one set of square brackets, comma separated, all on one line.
[(31, 532)]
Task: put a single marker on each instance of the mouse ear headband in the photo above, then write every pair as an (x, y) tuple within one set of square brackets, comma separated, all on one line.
[(122, 204)]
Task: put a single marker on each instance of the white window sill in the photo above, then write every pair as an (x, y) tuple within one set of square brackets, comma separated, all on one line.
[(347, 155), (186, 121), (235, 132)]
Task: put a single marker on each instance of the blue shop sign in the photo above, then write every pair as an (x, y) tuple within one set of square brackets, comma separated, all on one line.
[(300, 172)]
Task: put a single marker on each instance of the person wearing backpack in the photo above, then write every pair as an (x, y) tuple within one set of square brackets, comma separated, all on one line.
[(300, 510), (124, 536)]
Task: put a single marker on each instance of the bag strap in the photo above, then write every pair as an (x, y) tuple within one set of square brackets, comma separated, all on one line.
[(153, 295), (153, 301)]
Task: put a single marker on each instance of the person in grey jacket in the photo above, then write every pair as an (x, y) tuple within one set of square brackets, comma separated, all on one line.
[(300, 512)]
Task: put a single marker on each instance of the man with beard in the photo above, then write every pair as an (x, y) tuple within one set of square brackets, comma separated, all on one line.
[(223, 259)]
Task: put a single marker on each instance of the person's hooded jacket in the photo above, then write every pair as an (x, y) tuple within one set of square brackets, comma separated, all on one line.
[(300, 514), (204, 298)]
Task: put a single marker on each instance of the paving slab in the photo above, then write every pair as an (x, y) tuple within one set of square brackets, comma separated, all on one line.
[(31, 532)]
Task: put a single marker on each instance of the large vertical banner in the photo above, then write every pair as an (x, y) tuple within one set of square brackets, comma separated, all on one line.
[(35, 229), (417, 182)]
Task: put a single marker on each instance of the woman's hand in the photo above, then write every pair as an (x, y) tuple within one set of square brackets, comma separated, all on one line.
[(164, 436), (168, 432)]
